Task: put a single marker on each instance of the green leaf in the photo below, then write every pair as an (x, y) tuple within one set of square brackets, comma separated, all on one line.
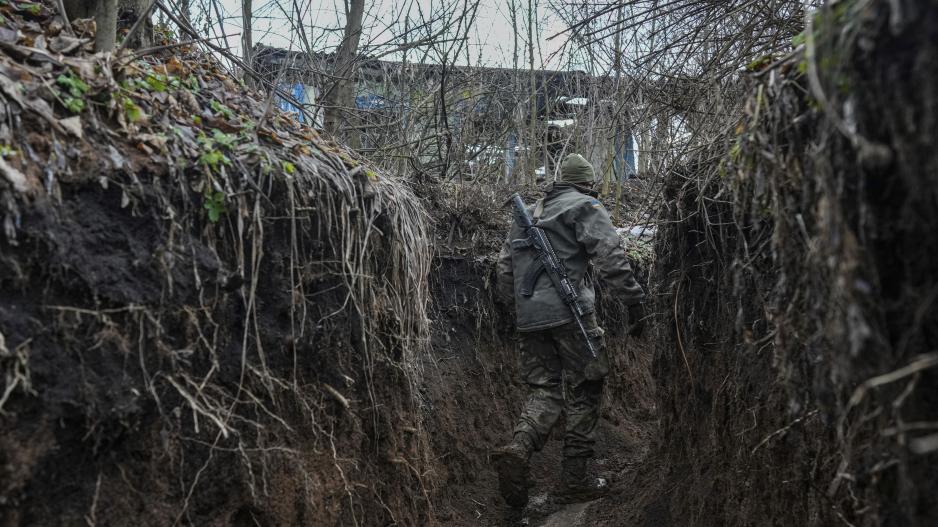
[(74, 104), (735, 151), (75, 86), (759, 63), (213, 158), (225, 140), (34, 9), (214, 204), (156, 83), (798, 39), (289, 167), (7, 151), (206, 142), (133, 112), (220, 108)]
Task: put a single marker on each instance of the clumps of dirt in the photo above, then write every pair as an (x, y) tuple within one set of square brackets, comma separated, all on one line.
[(795, 360), (209, 314)]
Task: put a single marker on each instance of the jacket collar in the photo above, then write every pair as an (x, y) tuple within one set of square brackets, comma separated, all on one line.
[(558, 188)]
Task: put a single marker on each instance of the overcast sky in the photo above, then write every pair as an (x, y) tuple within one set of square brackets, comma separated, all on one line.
[(490, 39)]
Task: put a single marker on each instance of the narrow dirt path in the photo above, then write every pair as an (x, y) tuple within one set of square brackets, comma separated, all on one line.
[(621, 450), (476, 398), (573, 515)]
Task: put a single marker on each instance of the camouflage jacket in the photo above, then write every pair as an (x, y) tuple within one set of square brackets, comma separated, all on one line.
[(580, 231)]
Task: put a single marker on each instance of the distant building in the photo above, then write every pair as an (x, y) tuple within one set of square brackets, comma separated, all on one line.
[(493, 114)]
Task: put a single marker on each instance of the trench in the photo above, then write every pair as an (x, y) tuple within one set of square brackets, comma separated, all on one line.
[(474, 339), (177, 348)]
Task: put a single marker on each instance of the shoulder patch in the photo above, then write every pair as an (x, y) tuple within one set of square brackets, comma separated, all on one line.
[(596, 204)]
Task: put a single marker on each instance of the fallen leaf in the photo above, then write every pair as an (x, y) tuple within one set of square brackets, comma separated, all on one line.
[(84, 27), (223, 125), (31, 53), (41, 107), (85, 68), (115, 157), (14, 176), (8, 35), (190, 101), (159, 141), (270, 134), (175, 67), (12, 89), (65, 44), (73, 126)]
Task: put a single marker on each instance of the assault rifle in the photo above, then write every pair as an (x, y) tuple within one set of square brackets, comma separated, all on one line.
[(552, 265)]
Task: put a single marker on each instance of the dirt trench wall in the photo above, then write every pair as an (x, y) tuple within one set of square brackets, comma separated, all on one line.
[(796, 355), (150, 379), (209, 315)]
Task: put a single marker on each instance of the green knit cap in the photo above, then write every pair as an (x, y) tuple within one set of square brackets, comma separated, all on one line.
[(576, 169)]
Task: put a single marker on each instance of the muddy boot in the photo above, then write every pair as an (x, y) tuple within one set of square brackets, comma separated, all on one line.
[(511, 463), (577, 485)]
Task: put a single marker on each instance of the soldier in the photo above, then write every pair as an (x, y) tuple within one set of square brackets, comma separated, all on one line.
[(552, 347)]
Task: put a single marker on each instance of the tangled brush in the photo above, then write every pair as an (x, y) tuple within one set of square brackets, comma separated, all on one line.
[(799, 288), (204, 301)]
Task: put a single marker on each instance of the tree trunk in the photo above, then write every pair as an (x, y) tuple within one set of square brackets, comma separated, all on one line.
[(342, 96), (128, 11), (511, 172), (660, 143), (530, 158), (76, 9), (104, 13), (644, 134), (105, 18), (247, 40), (109, 15)]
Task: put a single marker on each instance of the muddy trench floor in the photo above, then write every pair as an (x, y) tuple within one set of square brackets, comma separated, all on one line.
[(621, 457)]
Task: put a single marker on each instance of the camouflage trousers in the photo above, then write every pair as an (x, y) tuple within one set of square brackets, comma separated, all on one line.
[(563, 377)]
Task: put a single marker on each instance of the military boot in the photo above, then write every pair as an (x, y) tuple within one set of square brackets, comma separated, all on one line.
[(511, 463), (577, 485)]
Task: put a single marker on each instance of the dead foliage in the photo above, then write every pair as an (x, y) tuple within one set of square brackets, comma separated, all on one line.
[(209, 313), (796, 270)]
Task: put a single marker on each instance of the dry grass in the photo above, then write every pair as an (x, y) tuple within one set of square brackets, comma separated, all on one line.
[(797, 280)]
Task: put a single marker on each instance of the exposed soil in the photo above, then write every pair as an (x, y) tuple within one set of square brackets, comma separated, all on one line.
[(162, 366), (796, 271), (186, 339), (105, 431)]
